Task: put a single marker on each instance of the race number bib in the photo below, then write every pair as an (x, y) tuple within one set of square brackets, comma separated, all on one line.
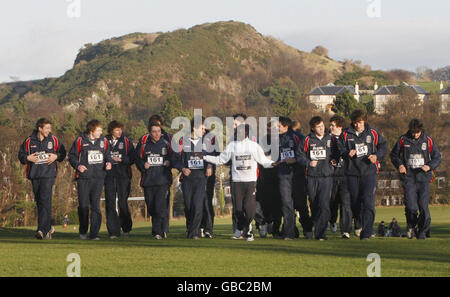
[(318, 153), (95, 157), (155, 160), (287, 154), (195, 164), (116, 155), (243, 162), (42, 157), (361, 150), (416, 161)]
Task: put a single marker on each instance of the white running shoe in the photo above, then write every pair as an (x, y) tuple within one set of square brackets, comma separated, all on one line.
[(237, 234), (250, 237), (358, 232), (346, 235), (83, 236)]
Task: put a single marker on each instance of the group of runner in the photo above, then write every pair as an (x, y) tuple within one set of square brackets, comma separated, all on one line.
[(335, 168)]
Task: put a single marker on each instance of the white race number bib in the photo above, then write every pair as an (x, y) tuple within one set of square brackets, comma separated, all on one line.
[(361, 150), (95, 157), (287, 154), (195, 164), (155, 160), (42, 157), (416, 161), (318, 153)]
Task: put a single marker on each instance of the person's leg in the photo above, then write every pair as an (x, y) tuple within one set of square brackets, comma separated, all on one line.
[(345, 218), (312, 187), (197, 203), (36, 184), (96, 189), (301, 202), (234, 217), (334, 201), (149, 197), (187, 187), (355, 199), (208, 209), (123, 191), (160, 202), (238, 189), (83, 205), (46, 192), (112, 219), (368, 186), (249, 204), (287, 207), (411, 203), (424, 221), (324, 186)]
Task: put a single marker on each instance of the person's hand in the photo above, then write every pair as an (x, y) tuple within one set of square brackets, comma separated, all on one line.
[(333, 163), (51, 158), (373, 158), (166, 163), (426, 168), (33, 158), (186, 171), (117, 159), (402, 169), (313, 163), (147, 165), (82, 168), (209, 170), (108, 166), (352, 153), (290, 161), (275, 164)]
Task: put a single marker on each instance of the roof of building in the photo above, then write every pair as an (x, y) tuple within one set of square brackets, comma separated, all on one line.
[(392, 90), (331, 89)]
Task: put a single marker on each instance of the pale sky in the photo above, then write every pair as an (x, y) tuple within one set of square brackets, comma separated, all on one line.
[(39, 38)]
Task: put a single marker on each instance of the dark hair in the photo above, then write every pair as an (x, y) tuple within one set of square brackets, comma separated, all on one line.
[(415, 126), (338, 120), (92, 125), (358, 115), (113, 125), (315, 121), (198, 124), (242, 115), (153, 124), (246, 129), (41, 123), (296, 125), (285, 121), (155, 118)]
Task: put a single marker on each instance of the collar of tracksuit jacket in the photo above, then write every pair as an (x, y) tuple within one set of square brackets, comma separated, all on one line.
[(368, 140), (95, 169), (158, 174), (323, 167), (47, 145), (123, 149), (289, 142)]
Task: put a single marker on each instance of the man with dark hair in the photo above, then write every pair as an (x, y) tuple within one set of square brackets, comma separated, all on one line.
[(90, 156), (415, 155), (190, 161), (340, 197), (363, 147), (156, 118), (288, 146), (39, 152), (316, 153), (153, 160), (244, 154), (118, 181)]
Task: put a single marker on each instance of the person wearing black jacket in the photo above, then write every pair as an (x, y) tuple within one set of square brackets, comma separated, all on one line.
[(288, 143), (415, 155), (166, 136), (363, 148), (118, 181), (189, 161), (153, 160), (317, 153), (340, 197), (39, 152), (90, 156)]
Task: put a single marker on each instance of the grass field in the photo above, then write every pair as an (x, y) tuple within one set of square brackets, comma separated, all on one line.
[(140, 255)]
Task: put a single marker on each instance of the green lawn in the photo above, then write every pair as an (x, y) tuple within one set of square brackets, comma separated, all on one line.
[(140, 255)]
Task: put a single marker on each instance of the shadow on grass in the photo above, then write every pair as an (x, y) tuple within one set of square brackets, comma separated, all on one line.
[(435, 250)]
